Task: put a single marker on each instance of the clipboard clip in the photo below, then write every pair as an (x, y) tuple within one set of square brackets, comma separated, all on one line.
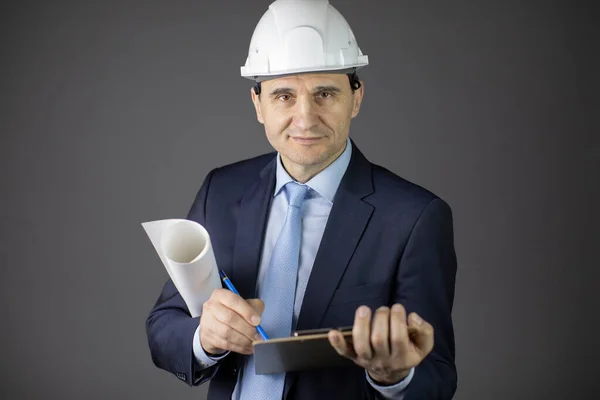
[(321, 331), (344, 329)]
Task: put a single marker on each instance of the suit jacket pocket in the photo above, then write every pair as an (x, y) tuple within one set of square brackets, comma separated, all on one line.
[(357, 294)]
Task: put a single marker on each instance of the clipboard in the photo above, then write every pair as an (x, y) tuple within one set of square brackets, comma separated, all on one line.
[(303, 351)]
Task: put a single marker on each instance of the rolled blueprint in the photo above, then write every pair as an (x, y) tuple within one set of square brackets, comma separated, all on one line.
[(186, 252)]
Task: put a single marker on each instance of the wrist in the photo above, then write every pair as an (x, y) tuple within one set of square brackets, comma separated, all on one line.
[(214, 355), (388, 379), (213, 352)]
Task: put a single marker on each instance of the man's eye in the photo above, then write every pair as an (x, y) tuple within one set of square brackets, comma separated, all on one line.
[(324, 95), (284, 97)]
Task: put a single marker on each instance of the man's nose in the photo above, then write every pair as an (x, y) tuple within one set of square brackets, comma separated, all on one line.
[(305, 114)]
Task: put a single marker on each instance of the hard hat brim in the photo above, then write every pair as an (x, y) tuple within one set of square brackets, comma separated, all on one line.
[(261, 76)]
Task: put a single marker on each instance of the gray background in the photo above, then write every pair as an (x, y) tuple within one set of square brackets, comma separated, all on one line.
[(113, 112)]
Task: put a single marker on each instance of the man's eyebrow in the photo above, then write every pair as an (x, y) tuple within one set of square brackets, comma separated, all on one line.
[(282, 90), (327, 88), (318, 89)]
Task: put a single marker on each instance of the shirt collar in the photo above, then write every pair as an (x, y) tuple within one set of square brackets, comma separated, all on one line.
[(326, 182)]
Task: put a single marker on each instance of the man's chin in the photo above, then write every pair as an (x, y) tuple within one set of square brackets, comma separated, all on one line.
[(309, 160)]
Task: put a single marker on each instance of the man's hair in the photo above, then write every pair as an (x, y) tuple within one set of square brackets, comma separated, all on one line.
[(353, 78)]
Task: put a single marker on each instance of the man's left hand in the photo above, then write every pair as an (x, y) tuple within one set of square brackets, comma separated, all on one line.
[(389, 346)]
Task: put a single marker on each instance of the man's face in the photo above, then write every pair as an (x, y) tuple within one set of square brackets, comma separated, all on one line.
[(307, 119)]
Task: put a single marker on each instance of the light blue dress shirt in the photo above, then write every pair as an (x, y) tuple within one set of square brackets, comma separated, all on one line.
[(315, 212)]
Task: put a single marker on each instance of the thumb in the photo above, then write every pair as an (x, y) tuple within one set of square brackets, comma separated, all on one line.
[(258, 305), (421, 334)]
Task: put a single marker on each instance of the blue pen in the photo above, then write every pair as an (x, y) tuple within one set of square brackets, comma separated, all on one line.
[(230, 286)]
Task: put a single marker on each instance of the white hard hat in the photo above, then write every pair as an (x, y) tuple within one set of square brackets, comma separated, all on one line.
[(297, 36)]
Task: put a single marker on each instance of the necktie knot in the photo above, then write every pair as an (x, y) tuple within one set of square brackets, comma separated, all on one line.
[(296, 193)]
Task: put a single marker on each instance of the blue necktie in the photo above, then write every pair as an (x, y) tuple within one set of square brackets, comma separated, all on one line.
[(278, 291)]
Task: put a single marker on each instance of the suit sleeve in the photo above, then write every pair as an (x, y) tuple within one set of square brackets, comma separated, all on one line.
[(170, 328), (425, 285)]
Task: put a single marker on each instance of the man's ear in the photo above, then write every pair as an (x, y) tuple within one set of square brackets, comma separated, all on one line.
[(357, 98), (256, 101)]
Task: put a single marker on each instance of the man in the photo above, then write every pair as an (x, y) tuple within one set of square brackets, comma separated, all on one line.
[(315, 236)]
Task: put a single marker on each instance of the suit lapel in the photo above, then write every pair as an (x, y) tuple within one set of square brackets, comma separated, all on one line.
[(347, 221), (252, 216)]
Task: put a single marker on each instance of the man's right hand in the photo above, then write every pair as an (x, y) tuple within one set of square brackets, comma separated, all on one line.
[(228, 323)]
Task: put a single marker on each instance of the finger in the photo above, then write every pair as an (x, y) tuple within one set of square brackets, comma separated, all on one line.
[(237, 304), (423, 338), (221, 313), (338, 342), (380, 328), (217, 341), (398, 330), (208, 344), (258, 305), (361, 333), (217, 344), (231, 336), (210, 324)]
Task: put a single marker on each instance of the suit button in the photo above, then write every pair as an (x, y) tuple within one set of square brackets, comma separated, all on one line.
[(234, 372)]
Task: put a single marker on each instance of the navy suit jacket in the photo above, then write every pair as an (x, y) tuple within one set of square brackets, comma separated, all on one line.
[(386, 241)]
